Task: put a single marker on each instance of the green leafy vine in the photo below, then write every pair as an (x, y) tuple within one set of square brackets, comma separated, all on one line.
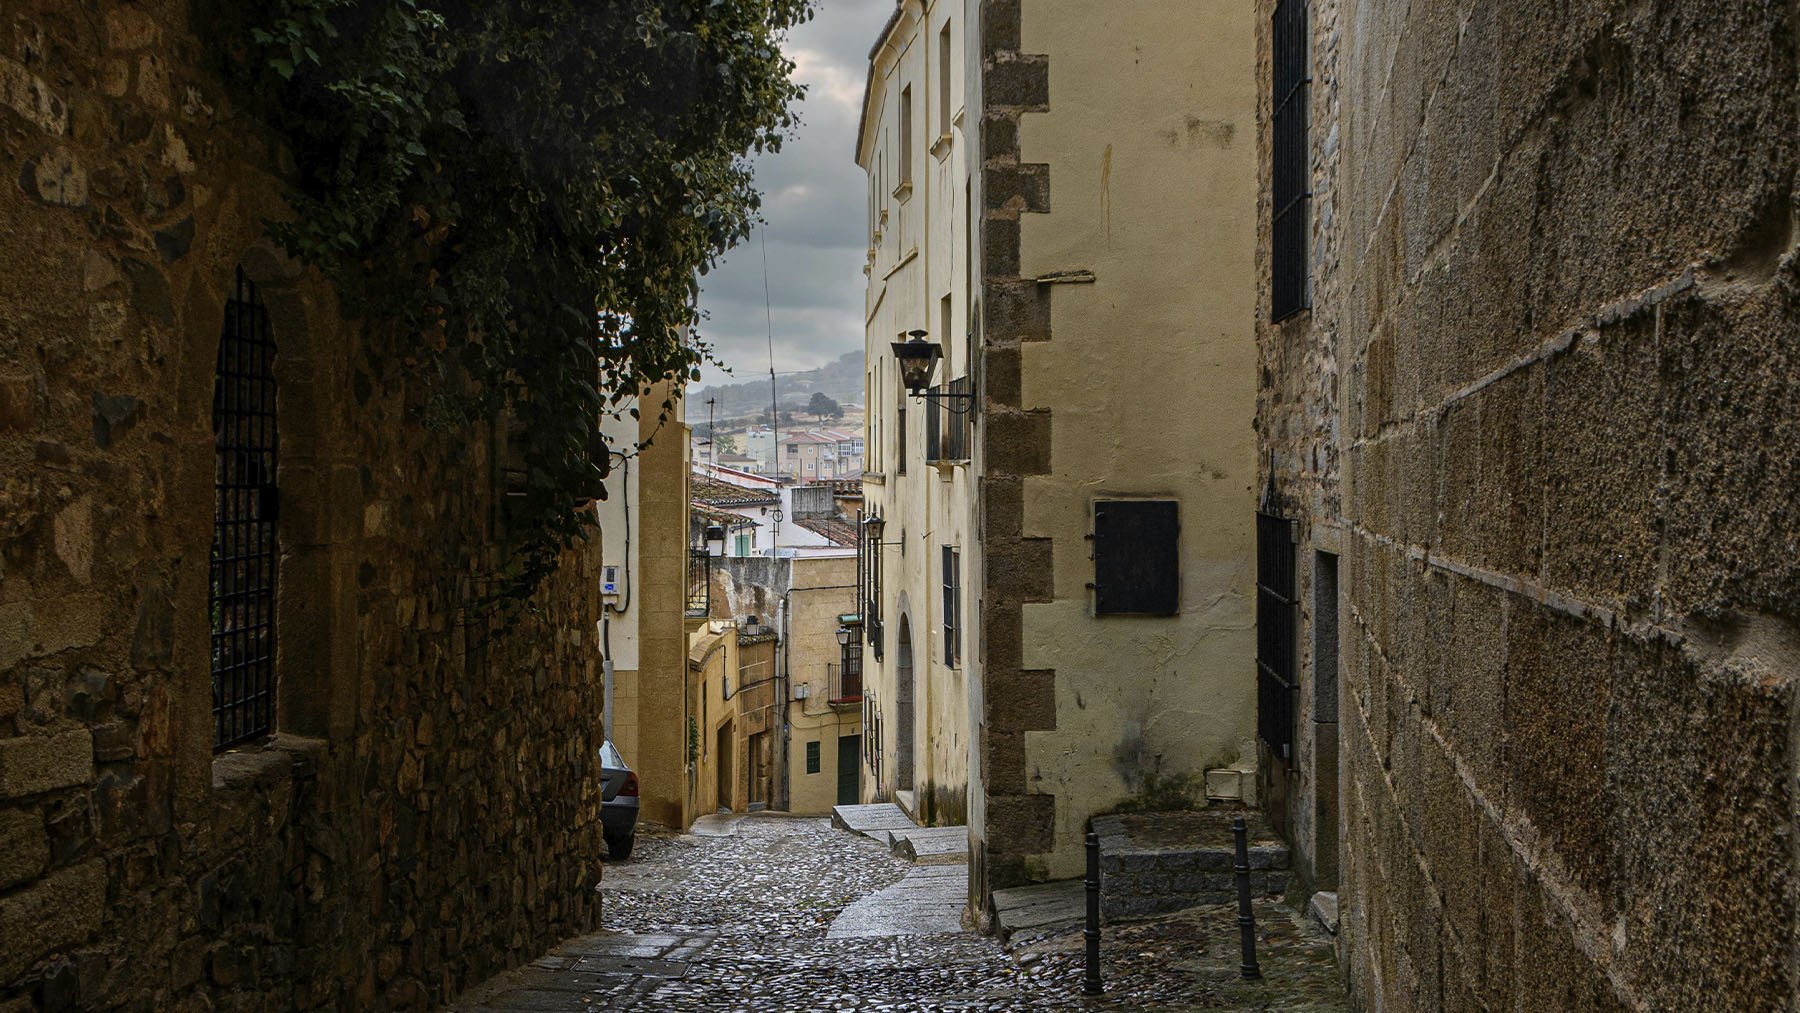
[(530, 190)]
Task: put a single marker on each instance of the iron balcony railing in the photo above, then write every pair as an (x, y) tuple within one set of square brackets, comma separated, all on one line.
[(699, 584), (846, 683), (947, 423)]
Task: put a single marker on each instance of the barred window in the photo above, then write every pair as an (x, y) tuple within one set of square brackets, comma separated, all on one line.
[(244, 552), (1275, 624), (1291, 178)]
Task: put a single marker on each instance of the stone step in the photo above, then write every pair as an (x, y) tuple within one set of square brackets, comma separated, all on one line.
[(1039, 907), (1152, 863), (931, 845), (876, 820), (1324, 909)]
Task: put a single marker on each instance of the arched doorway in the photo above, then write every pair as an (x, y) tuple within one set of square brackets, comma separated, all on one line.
[(903, 707)]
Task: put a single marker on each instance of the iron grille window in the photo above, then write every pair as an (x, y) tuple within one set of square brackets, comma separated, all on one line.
[(1275, 618), (1291, 178), (812, 757), (699, 583), (947, 422), (900, 441), (952, 606), (242, 579)]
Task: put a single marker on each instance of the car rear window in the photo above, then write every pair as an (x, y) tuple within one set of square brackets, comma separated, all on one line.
[(609, 756)]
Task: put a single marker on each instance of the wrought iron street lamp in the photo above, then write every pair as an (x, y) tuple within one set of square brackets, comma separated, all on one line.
[(918, 357)]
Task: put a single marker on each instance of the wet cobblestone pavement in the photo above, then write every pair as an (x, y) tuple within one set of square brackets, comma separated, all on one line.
[(739, 923)]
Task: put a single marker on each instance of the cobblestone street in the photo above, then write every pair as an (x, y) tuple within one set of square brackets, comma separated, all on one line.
[(743, 921)]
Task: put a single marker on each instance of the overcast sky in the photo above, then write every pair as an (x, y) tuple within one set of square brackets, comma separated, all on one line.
[(813, 200)]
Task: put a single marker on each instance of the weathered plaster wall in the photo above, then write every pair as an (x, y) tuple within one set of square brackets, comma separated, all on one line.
[(712, 659), (429, 813), (1119, 140), (1566, 332)]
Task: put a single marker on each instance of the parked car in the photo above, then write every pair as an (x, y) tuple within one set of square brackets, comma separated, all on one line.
[(618, 802)]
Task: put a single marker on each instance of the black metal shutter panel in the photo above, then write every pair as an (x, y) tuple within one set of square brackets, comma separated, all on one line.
[(950, 594), (1137, 557)]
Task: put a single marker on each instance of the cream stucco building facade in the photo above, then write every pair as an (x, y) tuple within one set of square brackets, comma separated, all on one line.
[(1063, 196), (920, 661)]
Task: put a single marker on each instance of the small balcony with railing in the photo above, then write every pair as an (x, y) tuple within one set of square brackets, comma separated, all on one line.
[(846, 684), (699, 584), (845, 677)]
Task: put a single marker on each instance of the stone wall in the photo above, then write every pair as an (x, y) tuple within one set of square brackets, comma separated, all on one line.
[(1556, 308), (428, 813)]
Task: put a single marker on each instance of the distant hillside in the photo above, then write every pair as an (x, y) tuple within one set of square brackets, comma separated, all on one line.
[(841, 380)]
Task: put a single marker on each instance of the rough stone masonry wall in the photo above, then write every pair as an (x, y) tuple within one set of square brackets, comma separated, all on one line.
[(1299, 436), (1567, 324), (1019, 823), (428, 814)]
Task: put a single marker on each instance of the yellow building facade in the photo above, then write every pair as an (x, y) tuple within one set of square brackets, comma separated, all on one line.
[(643, 539), (1076, 232)]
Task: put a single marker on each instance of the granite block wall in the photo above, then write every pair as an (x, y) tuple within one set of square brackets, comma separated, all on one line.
[(427, 812)]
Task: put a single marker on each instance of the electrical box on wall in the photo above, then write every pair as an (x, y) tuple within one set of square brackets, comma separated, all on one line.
[(609, 581)]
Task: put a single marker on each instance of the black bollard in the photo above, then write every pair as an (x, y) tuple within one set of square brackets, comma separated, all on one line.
[(1246, 918), (1090, 983)]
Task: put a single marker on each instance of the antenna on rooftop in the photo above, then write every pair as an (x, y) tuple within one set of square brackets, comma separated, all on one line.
[(762, 236)]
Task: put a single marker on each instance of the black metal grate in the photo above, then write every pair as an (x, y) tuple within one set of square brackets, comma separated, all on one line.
[(1275, 618), (1291, 177), (244, 507)]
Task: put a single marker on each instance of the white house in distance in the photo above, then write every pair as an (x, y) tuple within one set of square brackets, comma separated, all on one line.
[(783, 520)]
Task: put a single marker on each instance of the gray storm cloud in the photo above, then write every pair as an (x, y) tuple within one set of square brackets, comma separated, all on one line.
[(813, 201)]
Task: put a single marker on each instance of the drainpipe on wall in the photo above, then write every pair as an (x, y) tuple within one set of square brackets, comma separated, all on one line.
[(782, 800)]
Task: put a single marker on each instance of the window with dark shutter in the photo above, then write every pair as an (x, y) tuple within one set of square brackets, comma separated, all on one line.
[(952, 605), (1291, 178), (1137, 557)]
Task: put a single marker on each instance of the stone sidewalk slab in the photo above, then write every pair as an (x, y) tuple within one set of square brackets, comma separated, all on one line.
[(931, 845), (1041, 906), (928, 901), (876, 820)]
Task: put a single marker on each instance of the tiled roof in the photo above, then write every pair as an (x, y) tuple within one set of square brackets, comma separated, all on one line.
[(712, 515), (716, 493), (835, 529)]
